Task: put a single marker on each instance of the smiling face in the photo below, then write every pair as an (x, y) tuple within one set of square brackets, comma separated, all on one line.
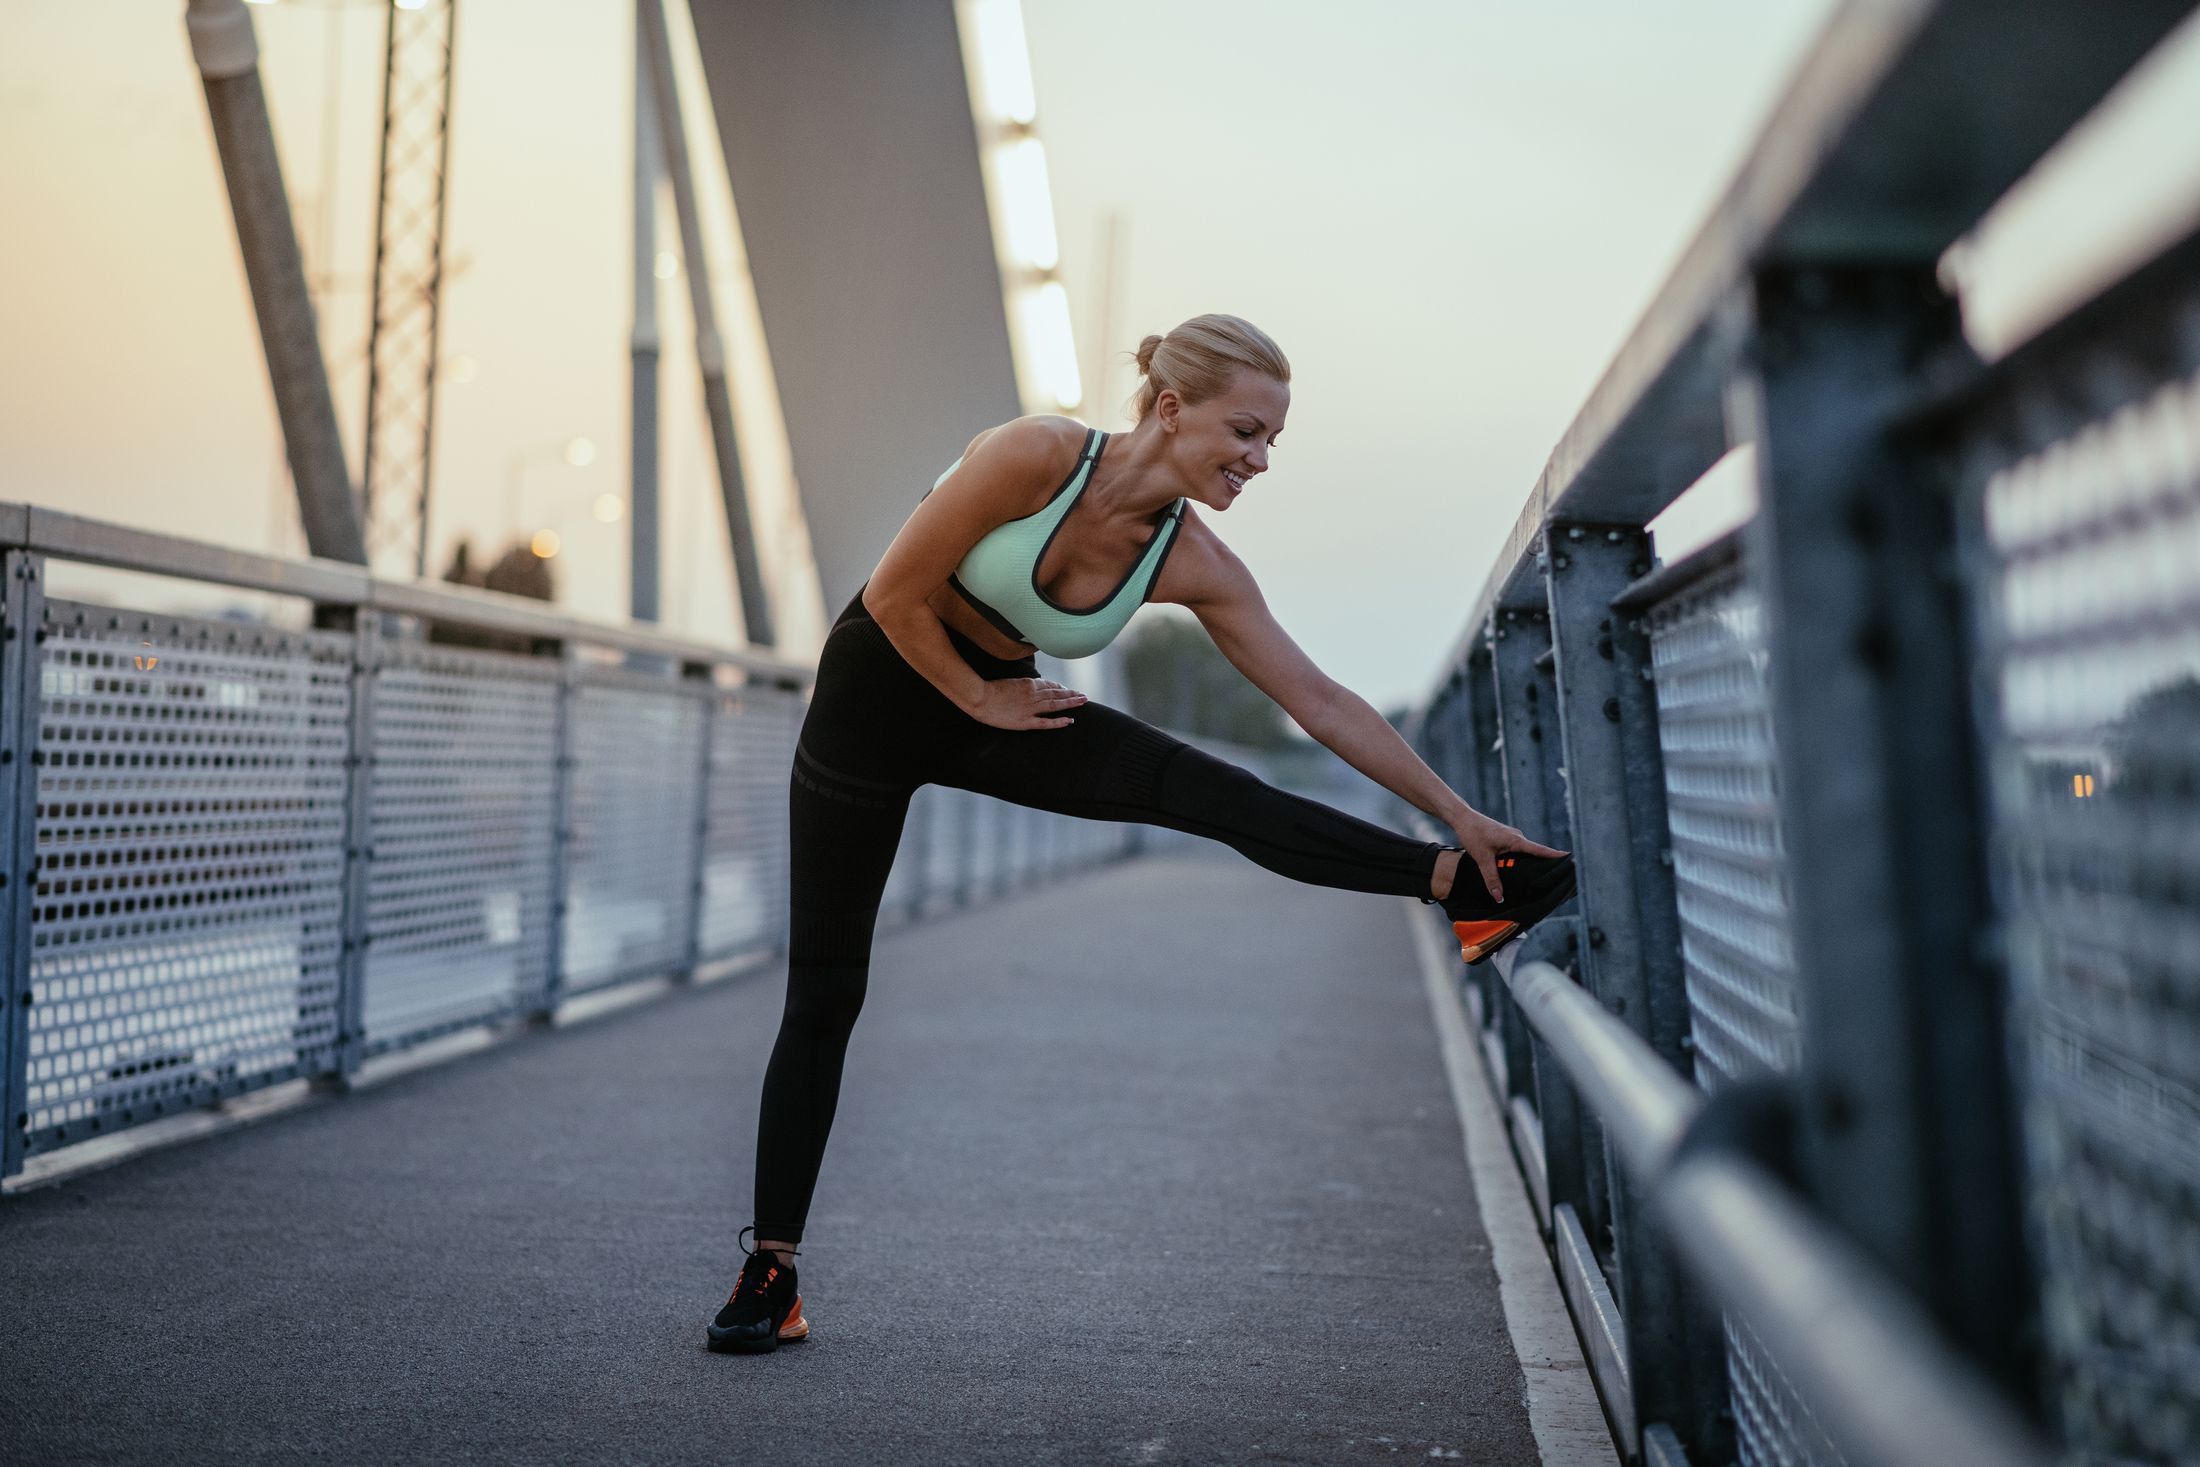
[(1218, 445)]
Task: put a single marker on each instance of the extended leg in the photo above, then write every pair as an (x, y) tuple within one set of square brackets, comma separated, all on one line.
[(843, 834), (1109, 766)]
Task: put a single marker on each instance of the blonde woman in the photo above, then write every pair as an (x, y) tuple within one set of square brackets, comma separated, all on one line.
[(1046, 535)]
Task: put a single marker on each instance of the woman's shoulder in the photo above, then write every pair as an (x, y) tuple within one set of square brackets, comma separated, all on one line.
[(1008, 471), (1035, 439)]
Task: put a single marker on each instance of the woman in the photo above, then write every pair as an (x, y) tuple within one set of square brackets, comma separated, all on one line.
[(1046, 534)]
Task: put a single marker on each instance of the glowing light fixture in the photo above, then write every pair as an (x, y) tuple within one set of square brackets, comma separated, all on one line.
[(1004, 61), (412, 4), (610, 508), (461, 369), (668, 264), (1050, 344), (2081, 785), (545, 544), (997, 61), (579, 452), (1026, 203)]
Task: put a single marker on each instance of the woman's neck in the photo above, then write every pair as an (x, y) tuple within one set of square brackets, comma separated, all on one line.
[(1133, 479)]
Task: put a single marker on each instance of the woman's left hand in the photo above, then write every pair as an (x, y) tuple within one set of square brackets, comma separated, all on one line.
[(1484, 839)]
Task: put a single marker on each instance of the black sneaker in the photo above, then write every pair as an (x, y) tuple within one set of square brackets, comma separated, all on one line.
[(763, 1311), (1535, 886)]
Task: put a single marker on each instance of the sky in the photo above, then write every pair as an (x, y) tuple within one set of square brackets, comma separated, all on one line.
[(1449, 215)]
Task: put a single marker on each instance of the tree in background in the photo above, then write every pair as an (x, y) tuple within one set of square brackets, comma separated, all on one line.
[(517, 572), (1174, 676)]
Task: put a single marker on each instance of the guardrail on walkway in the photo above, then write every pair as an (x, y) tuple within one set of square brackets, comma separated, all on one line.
[(234, 854), (1885, 807)]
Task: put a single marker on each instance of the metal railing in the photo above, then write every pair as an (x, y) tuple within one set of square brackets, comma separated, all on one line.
[(1864, 1117), (234, 854)]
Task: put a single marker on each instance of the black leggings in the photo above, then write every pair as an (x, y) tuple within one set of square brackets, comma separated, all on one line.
[(875, 731)]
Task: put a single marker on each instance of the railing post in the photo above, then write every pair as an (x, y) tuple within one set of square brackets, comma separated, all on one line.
[(1615, 792), (22, 609), (365, 628), (1907, 1127), (1527, 730), (538, 1008), (1527, 739), (700, 675)]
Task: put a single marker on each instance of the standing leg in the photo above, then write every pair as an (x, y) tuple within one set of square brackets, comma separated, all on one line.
[(1109, 766), (843, 832)]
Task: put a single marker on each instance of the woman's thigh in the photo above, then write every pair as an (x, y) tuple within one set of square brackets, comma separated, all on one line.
[(842, 840), (1106, 765), (874, 722), (1110, 766)]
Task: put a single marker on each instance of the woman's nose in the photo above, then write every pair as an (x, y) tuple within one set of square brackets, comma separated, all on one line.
[(1258, 458)]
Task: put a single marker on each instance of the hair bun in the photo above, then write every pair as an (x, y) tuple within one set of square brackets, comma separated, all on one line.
[(1203, 352)]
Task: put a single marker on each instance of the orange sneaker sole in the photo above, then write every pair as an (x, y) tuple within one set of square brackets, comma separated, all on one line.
[(1477, 940), (796, 1327)]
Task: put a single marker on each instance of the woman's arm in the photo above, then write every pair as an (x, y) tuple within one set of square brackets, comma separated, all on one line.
[(992, 486), (1221, 592)]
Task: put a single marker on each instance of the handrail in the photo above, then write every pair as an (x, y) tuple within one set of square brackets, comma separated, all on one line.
[(1868, 1361), (333, 583)]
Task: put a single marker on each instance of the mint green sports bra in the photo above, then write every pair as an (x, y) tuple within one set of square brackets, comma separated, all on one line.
[(1000, 575)]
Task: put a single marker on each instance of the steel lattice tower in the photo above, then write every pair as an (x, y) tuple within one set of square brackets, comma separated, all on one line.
[(408, 280)]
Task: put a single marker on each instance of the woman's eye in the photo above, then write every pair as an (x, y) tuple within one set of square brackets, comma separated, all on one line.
[(1244, 432)]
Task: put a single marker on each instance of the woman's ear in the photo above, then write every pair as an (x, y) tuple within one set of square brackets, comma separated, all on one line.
[(1165, 408)]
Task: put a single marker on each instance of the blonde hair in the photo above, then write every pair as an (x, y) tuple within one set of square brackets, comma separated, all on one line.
[(1197, 358)]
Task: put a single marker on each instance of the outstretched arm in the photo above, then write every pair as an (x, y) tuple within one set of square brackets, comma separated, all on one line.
[(1221, 592)]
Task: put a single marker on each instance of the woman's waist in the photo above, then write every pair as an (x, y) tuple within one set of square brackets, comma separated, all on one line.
[(986, 664)]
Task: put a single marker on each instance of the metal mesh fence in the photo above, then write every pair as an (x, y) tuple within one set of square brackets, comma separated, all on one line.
[(752, 733), (1729, 869), (186, 928), (1730, 885), (513, 828), (461, 824), (2091, 642), (635, 826), (905, 879)]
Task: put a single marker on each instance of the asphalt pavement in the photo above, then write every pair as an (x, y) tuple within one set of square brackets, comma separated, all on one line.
[(1154, 1164)]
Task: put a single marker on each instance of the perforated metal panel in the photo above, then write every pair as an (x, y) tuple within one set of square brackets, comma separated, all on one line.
[(983, 871), (947, 820), (187, 919), (1730, 883), (2091, 639), (635, 817), (745, 840), (1729, 867), (905, 878), (1772, 1427), (461, 819), (262, 855)]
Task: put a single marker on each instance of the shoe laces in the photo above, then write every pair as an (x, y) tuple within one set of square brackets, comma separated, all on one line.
[(756, 1278), (758, 1269)]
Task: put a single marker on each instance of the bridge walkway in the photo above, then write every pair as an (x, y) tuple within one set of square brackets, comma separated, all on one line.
[(1155, 1164)]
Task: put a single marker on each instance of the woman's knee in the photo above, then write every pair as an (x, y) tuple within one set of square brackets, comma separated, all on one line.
[(1195, 783), (823, 1003)]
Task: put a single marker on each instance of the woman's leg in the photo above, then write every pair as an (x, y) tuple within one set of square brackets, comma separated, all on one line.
[(1109, 766), (843, 832)]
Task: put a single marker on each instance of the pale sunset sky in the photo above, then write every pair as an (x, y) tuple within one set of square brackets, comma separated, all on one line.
[(1449, 213)]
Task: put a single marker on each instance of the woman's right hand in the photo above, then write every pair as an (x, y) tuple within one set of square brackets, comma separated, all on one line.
[(1025, 702)]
